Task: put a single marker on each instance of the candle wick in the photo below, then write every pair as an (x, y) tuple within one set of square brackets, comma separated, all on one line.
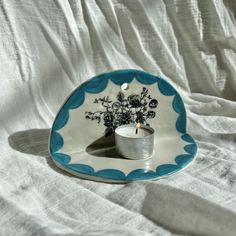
[(137, 127)]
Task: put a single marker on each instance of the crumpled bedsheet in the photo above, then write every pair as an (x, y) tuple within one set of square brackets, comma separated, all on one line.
[(48, 48)]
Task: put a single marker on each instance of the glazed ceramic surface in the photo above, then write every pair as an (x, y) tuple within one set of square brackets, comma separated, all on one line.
[(82, 135)]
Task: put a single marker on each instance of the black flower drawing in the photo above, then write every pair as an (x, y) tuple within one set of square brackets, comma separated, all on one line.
[(135, 108)]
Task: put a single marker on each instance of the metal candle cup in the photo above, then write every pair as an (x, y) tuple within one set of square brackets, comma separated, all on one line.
[(132, 145)]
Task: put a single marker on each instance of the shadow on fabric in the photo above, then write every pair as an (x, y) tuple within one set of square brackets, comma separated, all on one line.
[(186, 213), (34, 142)]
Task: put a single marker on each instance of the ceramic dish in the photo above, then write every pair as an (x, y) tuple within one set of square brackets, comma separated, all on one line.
[(82, 135)]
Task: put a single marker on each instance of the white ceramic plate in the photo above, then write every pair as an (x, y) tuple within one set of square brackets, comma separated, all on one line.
[(82, 135)]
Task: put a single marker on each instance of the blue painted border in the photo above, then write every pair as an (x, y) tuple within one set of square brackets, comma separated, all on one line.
[(97, 85)]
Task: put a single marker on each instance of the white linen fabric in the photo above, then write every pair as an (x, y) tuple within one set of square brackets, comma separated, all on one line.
[(48, 48)]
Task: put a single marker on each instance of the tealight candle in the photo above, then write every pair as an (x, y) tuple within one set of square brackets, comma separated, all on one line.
[(134, 142)]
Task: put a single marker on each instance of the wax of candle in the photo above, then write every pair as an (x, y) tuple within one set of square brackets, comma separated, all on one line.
[(129, 132)]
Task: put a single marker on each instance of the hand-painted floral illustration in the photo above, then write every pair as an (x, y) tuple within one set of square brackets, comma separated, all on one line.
[(125, 110)]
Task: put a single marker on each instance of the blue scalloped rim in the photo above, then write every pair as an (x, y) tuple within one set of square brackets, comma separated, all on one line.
[(97, 85)]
